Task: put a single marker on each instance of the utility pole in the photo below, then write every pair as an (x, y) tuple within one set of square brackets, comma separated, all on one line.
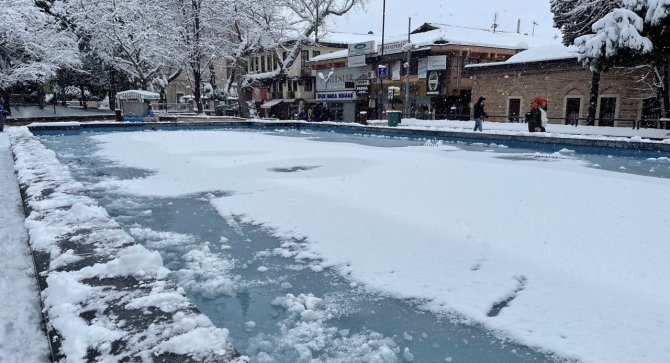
[(494, 26), (533, 33), (409, 54)]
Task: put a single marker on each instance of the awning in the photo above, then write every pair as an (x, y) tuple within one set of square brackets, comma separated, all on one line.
[(289, 100), (271, 103)]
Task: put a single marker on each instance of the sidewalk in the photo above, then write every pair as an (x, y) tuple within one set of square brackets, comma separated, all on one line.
[(22, 338)]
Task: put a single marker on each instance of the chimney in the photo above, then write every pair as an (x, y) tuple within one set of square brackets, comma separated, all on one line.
[(518, 25)]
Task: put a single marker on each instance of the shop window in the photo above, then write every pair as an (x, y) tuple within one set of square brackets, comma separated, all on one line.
[(607, 111), (572, 108), (513, 109)]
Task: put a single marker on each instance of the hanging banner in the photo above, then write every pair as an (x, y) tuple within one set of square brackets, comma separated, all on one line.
[(423, 68), (391, 48), (395, 71)]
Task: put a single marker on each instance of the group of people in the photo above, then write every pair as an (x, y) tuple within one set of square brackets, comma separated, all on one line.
[(537, 117), (315, 113)]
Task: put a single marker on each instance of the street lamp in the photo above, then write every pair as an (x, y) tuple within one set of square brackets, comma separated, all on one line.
[(407, 48)]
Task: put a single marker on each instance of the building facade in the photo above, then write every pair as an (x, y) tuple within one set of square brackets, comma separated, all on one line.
[(624, 94)]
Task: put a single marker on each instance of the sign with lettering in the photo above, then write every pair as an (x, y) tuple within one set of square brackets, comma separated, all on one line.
[(391, 48), (382, 72), (336, 79), (436, 62), (361, 48), (356, 61), (336, 96)]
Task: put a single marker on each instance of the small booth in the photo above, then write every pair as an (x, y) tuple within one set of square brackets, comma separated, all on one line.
[(134, 104)]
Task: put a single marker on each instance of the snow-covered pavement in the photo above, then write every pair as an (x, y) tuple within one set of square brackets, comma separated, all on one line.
[(21, 336)]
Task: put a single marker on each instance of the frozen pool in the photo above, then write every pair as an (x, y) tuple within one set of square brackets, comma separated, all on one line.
[(283, 309)]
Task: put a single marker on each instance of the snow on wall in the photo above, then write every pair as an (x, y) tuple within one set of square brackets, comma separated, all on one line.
[(105, 298)]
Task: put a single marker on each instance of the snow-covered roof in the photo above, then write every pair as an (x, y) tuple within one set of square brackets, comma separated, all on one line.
[(343, 53), (536, 54), (137, 94), (467, 36)]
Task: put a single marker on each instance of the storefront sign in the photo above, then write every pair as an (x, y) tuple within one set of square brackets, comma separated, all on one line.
[(436, 62), (336, 79), (336, 96), (423, 68), (362, 89), (434, 83), (391, 48), (356, 61), (361, 48)]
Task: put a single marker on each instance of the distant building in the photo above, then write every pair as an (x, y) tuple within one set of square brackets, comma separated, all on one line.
[(554, 72), (437, 84)]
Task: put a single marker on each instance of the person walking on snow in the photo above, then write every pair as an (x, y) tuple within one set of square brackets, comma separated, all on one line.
[(538, 116), (480, 114)]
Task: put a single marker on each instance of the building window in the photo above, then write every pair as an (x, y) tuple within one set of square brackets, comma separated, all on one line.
[(513, 109), (651, 112), (308, 85), (316, 53), (572, 108), (607, 111), (305, 55)]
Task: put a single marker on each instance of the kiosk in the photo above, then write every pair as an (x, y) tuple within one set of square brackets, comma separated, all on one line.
[(134, 104)]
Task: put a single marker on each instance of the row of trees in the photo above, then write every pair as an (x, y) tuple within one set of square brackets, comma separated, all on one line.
[(619, 33), (101, 46)]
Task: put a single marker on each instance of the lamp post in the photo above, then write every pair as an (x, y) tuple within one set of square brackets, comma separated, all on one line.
[(407, 48), (381, 58)]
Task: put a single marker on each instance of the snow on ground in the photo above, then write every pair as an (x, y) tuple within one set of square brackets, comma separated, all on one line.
[(553, 130), (49, 111), (580, 253), (21, 337), (86, 311)]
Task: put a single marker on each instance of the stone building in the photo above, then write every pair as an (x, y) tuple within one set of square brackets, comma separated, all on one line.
[(625, 95)]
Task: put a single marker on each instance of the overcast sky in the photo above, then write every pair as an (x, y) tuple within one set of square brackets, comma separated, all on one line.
[(475, 13)]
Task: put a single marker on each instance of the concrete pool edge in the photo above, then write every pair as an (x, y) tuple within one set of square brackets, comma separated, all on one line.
[(198, 123), (134, 331)]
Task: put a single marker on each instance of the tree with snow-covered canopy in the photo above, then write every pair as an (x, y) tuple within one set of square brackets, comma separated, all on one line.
[(575, 18), (33, 46), (281, 27), (635, 34)]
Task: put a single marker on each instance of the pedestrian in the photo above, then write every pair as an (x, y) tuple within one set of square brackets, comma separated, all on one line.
[(310, 114), (538, 116), (480, 114), (2, 114)]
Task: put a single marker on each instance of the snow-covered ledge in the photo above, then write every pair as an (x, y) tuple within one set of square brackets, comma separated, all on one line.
[(104, 297)]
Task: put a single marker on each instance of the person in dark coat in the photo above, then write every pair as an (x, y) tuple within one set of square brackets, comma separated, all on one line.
[(2, 114), (535, 123), (480, 114)]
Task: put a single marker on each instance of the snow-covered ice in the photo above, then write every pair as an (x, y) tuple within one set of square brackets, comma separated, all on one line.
[(578, 254)]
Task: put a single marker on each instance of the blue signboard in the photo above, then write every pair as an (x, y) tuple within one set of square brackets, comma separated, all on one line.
[(382, 72)]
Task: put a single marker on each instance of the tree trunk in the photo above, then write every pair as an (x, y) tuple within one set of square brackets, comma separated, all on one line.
[(593, 100), (112, 89), (665, 92), (242, 93), (197, 78)]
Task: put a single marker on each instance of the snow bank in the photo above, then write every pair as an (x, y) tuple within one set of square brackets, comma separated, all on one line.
[(103, 294)]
